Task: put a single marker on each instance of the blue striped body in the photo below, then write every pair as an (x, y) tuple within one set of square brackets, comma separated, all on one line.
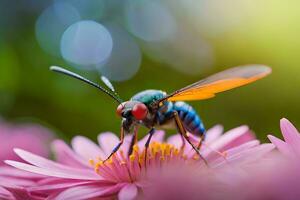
[(164, 116), (190, 118)]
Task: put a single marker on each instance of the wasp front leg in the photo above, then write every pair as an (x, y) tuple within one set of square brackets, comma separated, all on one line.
[(200, 142), (116, 148), (183, 132), (151, 132), (134, 139)]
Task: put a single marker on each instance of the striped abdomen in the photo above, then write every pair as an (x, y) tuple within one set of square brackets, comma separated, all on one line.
[(190, 118)]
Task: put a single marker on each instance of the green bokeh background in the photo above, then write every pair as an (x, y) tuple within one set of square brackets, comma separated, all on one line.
[(30, 92)]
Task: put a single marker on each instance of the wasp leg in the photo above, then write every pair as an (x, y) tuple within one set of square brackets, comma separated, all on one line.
[(183, 142), (133, 140), (183, 132), (116, 148), (201, 141), (151, 132)]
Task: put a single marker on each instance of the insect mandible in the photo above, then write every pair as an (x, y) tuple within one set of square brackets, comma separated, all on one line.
[(157, 109)]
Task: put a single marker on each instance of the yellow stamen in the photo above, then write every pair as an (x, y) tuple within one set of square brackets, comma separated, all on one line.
[(98, 158), (97, 166), (135, 148), (176, 152), (164, 150), (168, 150), (132, 157), (196, 157), (110, 161), (92, 162)]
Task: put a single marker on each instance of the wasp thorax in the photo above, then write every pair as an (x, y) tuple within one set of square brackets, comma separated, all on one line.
[(132, 108)]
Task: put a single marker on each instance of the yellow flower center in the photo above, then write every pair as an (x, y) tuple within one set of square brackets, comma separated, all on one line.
[(121, 168)]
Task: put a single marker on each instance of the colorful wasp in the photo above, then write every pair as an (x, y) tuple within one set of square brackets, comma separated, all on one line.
[(157, 109)]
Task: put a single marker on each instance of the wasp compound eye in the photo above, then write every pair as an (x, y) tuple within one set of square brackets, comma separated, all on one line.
[(139, 111)]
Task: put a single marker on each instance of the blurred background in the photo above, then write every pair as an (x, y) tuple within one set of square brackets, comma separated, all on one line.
[(146, 44)]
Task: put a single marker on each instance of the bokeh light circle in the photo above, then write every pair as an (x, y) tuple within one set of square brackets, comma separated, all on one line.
[(125, 58), (52, 23), (149, 20), (185, 52), (88, 9), (86, 43), (213, 17)]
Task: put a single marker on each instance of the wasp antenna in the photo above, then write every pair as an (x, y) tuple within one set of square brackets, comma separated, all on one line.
[(81, 78)]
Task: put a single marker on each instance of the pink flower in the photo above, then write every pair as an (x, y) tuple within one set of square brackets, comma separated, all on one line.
[(30, 137), (278, 176), (80, 171), (13, 182), (291, 146), (270, 177), (273, 177)]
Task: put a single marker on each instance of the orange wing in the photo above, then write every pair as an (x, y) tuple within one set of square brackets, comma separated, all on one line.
[(222, 81)]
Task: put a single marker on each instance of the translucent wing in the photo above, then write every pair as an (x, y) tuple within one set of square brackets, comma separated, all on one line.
[(222, 81)]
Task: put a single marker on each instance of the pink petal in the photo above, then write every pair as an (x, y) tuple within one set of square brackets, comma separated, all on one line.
[(53, 172), (49, 164), (158, 136), (54, 180), (242, 147), (86, 148), (88, 192), (232, 138), (13, 180), (58, 186), (290, 134), (234, 151), (5, 194), (249, 155), (126, 144), (18, 193), (7, 197), (175, 140), (213, 133), (129, 192), (31, 137), (280, 145), (65, 155), (256, 153), (6, 185), (13, 172), (107, 142)]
